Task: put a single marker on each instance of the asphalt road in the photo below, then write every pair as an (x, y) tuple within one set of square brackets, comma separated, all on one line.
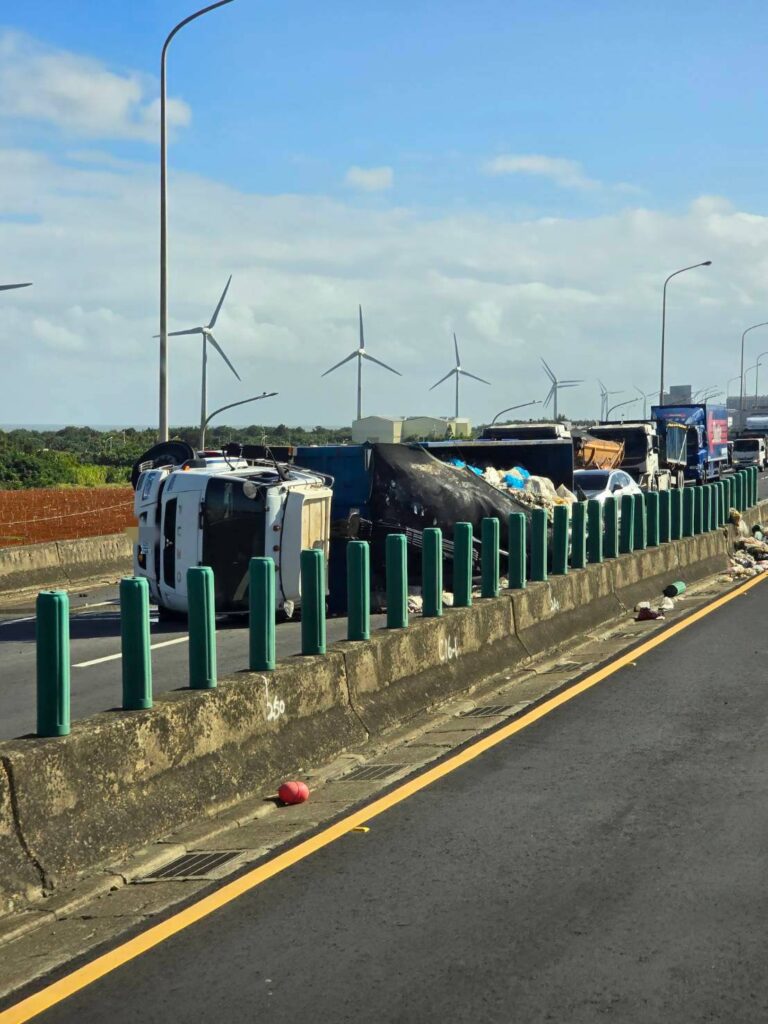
[(606, 863)]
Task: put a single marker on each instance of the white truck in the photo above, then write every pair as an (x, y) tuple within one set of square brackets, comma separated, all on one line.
[(749, 451), (202, 512), (641, 452)]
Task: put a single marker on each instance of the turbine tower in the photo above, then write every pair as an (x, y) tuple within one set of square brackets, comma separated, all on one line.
[(360, 354), (458, 372), (605, 394), (556, 385), (206, 332)]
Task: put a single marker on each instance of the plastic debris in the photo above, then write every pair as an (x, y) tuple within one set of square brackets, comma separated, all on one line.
[(648, 614), (666, 604)]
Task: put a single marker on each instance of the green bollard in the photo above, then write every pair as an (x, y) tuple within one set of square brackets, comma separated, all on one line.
[(560, 540), (698, 509), (53, 668), (134, 644), (729, 496), (665, 516), (706, 513), (579, 535), (516, 568), (688, 513), (462, 565), (538, 545), (627, 534), (640, 537), (397, 581), (202, 628), (611, 528), (755, 485), (594, 531), (652, 518), (432, 573), (358, 590), (489, 557), (313, 636), (676, 517), (261, 615), (721, 492), (738, 491)]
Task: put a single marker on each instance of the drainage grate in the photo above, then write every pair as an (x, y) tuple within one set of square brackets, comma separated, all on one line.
[(371, 772), (193, 865), (490, 711)]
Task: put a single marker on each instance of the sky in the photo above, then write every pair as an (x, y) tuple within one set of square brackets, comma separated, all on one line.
[(525, 175)]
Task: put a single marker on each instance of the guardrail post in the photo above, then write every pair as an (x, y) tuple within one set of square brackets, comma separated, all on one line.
[(755, 485), (706, 518), (432, 573), (202, 628), (517, 567), (721, 496), (738, 491), (627, 535), (730, 487), (358, 590), (53, 668), (676, 517), (688, 515), (594, 531), (579, 535), (610, 528), (652, 518), (698, 509), (489, 556), (665, 516), (538, 545), (641, 527), (744, 490), (462, 565), (560, 540), (313, 635), (261, 615), (397, 581), (134, 644)]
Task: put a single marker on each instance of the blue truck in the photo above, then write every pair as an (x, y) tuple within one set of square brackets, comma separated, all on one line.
[(706, 438)]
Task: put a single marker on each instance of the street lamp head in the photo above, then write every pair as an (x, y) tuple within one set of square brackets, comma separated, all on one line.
[(707, 263)]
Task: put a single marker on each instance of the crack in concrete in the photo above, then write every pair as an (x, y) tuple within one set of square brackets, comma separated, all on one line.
[(17, 825)]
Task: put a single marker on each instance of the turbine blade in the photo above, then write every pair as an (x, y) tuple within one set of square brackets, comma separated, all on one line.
[(221, 302), (548, 368), (550, 394), (570, 382), (222, 353), (362, 334), (178, 334), (449, 374), (8, 287), (456, 346), (337, 365), (466, 373), (379, 363)]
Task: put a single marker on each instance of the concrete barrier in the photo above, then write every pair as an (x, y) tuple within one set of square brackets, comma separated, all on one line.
[(63, 562), (122, 779)]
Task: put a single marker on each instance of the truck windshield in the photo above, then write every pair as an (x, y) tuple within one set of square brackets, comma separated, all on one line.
[(748, 445), (233, 533)]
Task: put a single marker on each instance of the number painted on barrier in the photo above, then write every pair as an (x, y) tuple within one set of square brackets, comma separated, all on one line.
[(447, 650), (275, 706)]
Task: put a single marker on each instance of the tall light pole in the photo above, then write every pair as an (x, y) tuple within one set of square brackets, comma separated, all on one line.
[(706, 263), (223, 408), (757, 371), (629, 401), (163, 420), (522, 405), (741, 393)]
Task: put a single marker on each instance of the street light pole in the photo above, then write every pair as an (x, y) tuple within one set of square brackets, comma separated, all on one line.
[(223, 408), (629, 401), (757, 371), (741, 372), (523, 405), (706, 263), (163, 419)]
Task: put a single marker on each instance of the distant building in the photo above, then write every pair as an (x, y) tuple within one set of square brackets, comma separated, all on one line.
[(678, 394), (436, 428), (377, 429)]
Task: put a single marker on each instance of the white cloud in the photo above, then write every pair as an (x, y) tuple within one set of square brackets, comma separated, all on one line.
[(370, 179), (78, 95), (585, 293), (565, 173)]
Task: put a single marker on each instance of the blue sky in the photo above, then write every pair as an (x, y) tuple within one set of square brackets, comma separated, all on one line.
[(524, 173)]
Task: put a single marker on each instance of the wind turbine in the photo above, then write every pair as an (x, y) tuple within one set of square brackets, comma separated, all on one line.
[(208, 337), (8, 287), (457, 370), (556, 385), (360, 354), (645, 396), (605, 394)]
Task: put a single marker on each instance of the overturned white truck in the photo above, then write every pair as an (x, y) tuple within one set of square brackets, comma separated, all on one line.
[(222, 512)]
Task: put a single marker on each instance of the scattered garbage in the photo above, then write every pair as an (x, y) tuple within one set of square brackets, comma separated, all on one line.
[(648, 614), (666, 604), (674, 589)]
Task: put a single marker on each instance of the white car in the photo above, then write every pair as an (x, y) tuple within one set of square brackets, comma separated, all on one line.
[(603, 483)]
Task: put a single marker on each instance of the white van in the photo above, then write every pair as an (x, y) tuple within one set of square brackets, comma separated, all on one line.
[(749, 451), (212, 515)]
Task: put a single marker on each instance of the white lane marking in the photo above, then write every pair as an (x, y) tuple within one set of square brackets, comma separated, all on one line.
[(116, 657), (76, 608), (15, 622)]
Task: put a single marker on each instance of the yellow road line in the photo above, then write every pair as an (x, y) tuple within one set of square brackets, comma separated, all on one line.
[(67, 986)]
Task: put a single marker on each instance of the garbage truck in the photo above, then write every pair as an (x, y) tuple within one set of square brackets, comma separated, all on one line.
[(642, 457), (221, 511)]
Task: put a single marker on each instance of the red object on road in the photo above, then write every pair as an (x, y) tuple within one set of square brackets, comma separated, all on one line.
[(293, 792)]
